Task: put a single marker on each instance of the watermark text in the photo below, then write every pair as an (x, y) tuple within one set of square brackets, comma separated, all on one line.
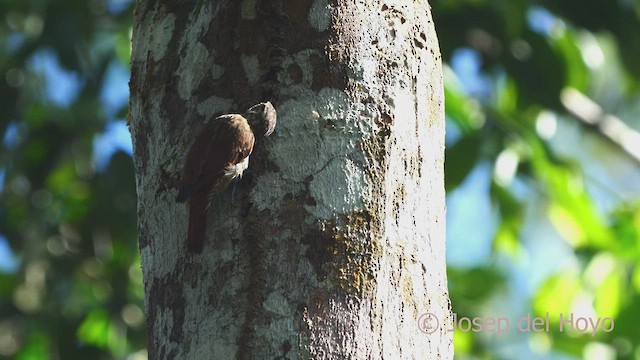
[(566, 322)]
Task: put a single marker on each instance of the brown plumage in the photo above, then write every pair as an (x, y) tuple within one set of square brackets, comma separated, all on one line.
[(219, 154)]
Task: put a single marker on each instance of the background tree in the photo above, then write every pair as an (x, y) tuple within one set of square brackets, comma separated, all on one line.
[(71, 284)]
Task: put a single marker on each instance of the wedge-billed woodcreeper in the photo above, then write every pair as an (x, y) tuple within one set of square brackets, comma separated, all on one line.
[(219, 154)]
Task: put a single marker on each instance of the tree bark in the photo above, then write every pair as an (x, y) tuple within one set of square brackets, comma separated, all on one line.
[(333, 246)]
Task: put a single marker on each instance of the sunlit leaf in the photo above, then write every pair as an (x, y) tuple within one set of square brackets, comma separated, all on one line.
[(59, 180), (568, 226), (571, 209), (556, 294), (462, 342), (94, 329), (636, 279), (577, 74), (608, 300)]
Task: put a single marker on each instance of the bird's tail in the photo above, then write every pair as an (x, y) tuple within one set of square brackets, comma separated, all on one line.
[(197, 222)]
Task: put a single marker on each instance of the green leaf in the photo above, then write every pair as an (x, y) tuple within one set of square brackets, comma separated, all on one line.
[(460, 159), (123, 46), (566, 43), (37, 347), (627, 321), (465, 111), (506, 97), (606, 277), (556, 294), (473, 285), (94, 330), (571, 209), (609, 295), (625, 225), (511, 214)]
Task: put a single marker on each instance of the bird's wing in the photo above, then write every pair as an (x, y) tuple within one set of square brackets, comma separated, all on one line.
[(225, 141)]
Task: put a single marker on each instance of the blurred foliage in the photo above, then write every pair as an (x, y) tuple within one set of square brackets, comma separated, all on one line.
[(75, 290), (70, 285), (528, 54)]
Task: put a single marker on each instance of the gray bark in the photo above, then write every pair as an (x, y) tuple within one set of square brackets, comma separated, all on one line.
[(334, 246)]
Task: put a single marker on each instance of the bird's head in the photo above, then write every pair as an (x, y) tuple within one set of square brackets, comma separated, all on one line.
[(262, 118)]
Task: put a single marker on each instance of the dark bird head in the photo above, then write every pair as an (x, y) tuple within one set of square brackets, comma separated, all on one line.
[(262, 118)]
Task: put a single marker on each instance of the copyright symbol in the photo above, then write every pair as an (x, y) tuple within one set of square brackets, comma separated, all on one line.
[(428, 323)]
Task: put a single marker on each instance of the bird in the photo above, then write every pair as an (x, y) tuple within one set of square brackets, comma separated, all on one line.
[(219, 154)]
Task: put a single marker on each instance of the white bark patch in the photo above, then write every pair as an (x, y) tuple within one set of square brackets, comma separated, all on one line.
[(402, 181), (320, 15), (251, 66), (162, 34), (331, 128), (196, 61), (277, 303), (198, 25), (193, 69), (269, 192), (214, 105), (347, 186)]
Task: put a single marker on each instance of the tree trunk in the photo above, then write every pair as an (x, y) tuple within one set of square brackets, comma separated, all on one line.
[(332, 247)]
